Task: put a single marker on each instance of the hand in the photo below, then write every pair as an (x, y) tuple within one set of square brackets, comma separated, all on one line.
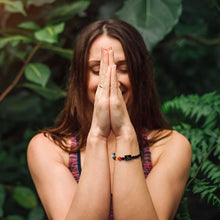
[(119, 117), (101, 116)]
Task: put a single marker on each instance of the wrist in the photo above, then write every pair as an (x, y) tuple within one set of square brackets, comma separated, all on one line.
[(96, 138), (97, 132), (127, 134), (127, 145)]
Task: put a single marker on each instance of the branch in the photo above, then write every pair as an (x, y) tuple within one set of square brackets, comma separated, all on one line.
[(18, 77), (200, 166), (196, 39)]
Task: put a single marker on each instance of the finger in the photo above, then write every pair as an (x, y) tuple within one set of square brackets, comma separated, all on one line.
[(103, 89), (115, 91), (114, 81), (103, 65), (111, 57)]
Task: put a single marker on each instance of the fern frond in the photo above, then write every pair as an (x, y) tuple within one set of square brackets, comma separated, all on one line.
[(205, 189), (183, 211), (194, 106), (205, 141), (212, 171)]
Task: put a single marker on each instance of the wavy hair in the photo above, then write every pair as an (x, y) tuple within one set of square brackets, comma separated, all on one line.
[(75, 118)]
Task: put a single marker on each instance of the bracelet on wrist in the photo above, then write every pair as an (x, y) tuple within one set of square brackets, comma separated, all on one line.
[(126, 157)]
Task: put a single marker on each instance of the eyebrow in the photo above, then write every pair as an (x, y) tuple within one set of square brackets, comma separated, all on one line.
[(97, 62)]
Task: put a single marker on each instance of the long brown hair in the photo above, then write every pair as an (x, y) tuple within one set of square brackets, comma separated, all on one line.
[(75, 119)]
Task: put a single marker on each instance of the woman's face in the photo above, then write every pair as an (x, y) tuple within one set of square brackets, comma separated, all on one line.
[(105, 41)]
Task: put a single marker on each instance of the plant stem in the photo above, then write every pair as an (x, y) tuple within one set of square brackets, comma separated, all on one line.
[(18, 77), (192, 38), (200, 166)]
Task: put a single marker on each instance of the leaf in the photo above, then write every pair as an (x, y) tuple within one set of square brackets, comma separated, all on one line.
[(183, 210), (14, 217), (29, 25), (36, 214), (2, 200), (68, 11), (39, 2), (66, 53), (20, 104), (14, 6), (154, 19), (52, 92), (25, 197), (38, 73), (13, 40), (50, 33)]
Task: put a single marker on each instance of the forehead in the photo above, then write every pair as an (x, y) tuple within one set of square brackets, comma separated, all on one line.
[(105, 41)]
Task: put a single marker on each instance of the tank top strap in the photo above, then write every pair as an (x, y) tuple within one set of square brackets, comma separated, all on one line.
[(146, 160), (74, 160)]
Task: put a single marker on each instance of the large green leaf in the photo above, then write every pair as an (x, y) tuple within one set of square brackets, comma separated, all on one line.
[(38, 73), (13, 6), (25, 197), (50, 33), (39, 2), (68, 10), (13, 40), (153, 18), (29, 25), (51, 92)]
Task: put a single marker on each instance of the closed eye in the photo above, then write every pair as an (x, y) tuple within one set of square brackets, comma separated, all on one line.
[(94, 69), (122, 70)]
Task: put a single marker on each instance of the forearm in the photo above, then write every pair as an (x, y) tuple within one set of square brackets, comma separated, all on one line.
[(92, 196), (131, 197)]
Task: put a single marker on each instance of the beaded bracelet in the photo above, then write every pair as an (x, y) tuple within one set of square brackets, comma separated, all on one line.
[(126, 157)]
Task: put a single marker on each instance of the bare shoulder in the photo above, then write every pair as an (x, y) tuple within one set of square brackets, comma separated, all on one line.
[(174, 146), (176, 142), (43, 148)]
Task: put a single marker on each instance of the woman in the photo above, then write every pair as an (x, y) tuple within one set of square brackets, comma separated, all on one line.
[(111, 152)]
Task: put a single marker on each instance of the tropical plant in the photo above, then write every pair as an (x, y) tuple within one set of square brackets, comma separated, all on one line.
[(200, 124), (34, 35)]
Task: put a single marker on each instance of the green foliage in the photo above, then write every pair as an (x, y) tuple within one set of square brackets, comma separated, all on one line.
[(49, 33), (36, 213), (25, 197), (13, 6), (196, 107), (2, 199), (183, 211), (153, 18), (36, 41), (15, 217), (37, 73), (68, 11), (51, 92), (204, 135)]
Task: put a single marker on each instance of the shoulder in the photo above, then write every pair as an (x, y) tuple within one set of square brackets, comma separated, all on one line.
[(41, 148), (177, 144), (174, 147), (41, 144)]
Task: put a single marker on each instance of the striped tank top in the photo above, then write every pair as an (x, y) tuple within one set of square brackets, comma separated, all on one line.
[(75, 165)]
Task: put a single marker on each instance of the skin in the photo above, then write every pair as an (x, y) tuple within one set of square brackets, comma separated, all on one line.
[(134, 197)]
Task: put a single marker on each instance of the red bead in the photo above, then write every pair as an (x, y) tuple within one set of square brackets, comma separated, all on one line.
[(119, 158)]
